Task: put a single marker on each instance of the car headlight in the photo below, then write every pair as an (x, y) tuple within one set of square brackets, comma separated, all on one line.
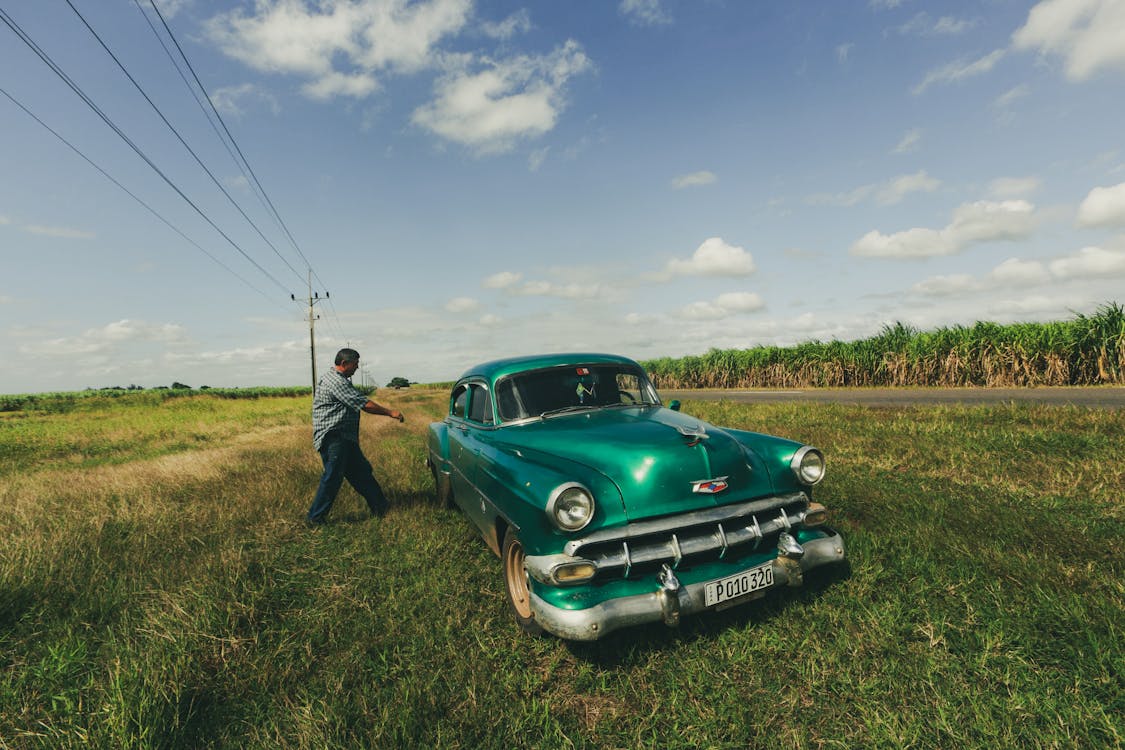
[(571, 506), (808, 465)]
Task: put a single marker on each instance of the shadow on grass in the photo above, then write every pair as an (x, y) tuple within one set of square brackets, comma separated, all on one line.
[(352, 511), (624, 647)]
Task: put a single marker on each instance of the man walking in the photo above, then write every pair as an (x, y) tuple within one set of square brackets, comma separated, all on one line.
[(335, 417)]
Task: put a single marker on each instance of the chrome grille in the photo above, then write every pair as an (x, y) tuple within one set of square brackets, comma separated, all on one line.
[(701, 535)]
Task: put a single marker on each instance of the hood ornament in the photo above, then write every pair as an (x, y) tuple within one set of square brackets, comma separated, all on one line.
[(694, 434), (710, 486)]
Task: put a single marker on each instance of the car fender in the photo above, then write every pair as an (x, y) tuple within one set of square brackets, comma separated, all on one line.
[(518, 482), (437, 456)]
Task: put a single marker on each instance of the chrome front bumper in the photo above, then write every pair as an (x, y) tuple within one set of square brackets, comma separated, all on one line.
[(669, 600)]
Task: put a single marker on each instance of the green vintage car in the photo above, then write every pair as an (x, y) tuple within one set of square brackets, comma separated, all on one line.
[(609, 510)]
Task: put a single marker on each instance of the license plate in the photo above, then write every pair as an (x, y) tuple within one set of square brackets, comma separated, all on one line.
[(738, 585)]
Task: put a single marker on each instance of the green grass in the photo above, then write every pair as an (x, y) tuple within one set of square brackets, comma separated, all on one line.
[(160, 590)]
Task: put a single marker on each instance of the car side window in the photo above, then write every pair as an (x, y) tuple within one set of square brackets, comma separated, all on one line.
[(458, 401), (629, 388), (508, 401), (480, 405)]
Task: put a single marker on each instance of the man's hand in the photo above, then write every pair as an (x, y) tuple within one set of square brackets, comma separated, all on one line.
[(398, 415)]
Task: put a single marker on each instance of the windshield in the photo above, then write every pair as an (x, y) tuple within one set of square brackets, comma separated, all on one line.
[(573, 387)]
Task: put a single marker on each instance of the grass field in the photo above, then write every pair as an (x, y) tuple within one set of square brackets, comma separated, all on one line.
[(159, 589)]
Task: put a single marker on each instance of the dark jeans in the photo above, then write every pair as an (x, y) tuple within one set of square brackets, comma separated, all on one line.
[(344, 460)]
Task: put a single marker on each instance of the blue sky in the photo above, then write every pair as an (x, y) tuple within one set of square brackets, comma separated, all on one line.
[(470, 180)]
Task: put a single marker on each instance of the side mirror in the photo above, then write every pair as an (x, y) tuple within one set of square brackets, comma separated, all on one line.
[(674, 404)]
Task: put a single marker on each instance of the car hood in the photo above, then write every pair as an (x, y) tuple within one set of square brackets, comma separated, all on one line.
[(658, 458)]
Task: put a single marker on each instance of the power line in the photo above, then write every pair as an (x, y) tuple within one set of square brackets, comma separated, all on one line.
[(241, 160), (226, 130), (27, 40), (175, 132), (199, 103), (128, 192)]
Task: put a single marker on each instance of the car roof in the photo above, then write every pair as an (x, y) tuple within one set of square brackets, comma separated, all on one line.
[(499, 368)]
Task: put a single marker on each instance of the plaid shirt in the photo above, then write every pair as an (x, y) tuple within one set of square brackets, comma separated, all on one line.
[(336, 408)]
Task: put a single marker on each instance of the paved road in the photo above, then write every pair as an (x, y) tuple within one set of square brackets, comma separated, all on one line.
[(1104, 397)]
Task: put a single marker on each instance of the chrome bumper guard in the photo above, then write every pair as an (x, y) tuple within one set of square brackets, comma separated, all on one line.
[(670, 600)]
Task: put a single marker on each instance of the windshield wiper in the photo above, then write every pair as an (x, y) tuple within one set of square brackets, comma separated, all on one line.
[(565, 409)]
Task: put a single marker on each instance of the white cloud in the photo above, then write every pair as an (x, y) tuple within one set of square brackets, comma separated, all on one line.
[(695, 179), (960, 70), (64, 233), (911, 243), (536, 158), (1090, 263), (489, 320), (169, 8), (639, 319), (106, 339), (1005, 101), (1103, 207), (490, 109), (333, 83), (1039, 305), (972, 223), (740, 301), (1088, 34), (1013, 187), (987, 221), (922, 24), (517, 23), (501, 280), (843, 50), (909, 142), (365, 37), (462, 305), (845, 199), (947, 286), (714, 258), (886, 194), (563, 291), (724, 306), (950, 25), (900, 187), (645, 12), (1019, 273), (4, 220)]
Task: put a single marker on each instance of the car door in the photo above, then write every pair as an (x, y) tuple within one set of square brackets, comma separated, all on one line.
[(462, 457), (475, 434)]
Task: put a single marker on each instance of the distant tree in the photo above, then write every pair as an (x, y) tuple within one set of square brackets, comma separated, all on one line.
[(397, 382), (180, 387), (204, 387)]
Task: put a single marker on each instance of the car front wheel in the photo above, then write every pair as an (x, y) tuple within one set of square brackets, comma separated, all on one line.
[(515, 580)]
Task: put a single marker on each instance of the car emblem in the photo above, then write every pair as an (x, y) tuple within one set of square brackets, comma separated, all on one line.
[(693, 434), (710, 486)]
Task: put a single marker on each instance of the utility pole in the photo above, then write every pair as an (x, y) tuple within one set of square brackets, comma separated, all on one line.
[(314, 297)]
